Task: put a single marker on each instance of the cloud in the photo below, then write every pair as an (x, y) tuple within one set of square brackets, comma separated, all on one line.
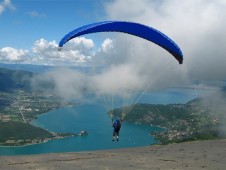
[(14, 55), (117, 80), (103, 56), (6, 4), (196, 26), (216, 109), (106, 45), (45, 51), (76, 51), (36, 14), (65, 82)]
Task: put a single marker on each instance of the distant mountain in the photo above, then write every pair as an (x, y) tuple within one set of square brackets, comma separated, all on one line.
[(15, 79), (45, 68), (27, 67)]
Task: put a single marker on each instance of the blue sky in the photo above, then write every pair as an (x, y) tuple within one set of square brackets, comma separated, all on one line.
[(31, 20), (30, 30)]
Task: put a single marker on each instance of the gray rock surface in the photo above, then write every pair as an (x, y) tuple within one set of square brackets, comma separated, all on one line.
[(188, 156)]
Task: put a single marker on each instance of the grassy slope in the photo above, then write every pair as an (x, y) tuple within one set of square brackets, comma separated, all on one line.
[(21, 131)]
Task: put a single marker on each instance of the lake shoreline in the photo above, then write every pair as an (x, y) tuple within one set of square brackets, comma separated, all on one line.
[(92, 118)]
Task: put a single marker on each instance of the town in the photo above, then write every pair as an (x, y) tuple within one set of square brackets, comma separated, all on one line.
[(19, 108)]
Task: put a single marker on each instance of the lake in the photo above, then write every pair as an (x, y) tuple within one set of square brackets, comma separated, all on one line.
[(93, 118)]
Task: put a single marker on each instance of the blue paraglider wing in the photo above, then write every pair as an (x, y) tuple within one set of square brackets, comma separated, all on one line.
[(136, 29)]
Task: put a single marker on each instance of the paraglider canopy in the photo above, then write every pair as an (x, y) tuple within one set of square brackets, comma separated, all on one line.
[(132, 28)]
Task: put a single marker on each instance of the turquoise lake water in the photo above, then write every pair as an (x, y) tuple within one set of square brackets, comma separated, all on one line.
[(93, 118)]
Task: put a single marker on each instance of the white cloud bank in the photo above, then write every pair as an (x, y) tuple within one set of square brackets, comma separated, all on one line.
[(43, 52), (196, 26), (14, 55)]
